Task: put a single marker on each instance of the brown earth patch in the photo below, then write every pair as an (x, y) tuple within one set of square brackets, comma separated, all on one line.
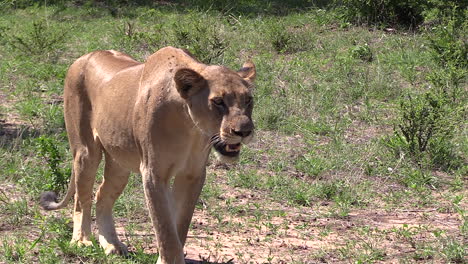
[(278, 233)]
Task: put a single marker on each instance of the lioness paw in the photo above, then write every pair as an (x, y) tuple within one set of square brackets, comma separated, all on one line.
[(119, 249), (81, 242)]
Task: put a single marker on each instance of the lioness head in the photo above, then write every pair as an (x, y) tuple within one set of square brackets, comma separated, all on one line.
[(220, 103)]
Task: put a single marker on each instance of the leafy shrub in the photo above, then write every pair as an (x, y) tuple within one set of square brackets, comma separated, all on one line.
[(428, 122), (362, 52), (56, 177), (408, 13), (287, 40), (419, 121), (132, 39), (311, 164), (424, 131), (38, 39), (436, 11), (447, 41), (383, 12), (450, 82), (203, 40)]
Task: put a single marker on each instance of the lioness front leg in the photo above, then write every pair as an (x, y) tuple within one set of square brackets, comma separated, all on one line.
[(115, 180), (186, 190), (160, 206)]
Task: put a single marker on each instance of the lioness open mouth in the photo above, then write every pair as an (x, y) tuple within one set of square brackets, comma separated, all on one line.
[(230, 150)]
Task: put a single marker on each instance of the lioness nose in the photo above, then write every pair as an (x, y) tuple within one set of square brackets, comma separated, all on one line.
[(243, 126), (242, 133)]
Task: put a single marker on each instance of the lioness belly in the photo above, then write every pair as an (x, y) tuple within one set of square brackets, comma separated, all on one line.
[(113, 118), (121, 151)]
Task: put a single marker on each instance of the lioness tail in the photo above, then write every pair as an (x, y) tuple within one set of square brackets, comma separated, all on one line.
[(48, 200)]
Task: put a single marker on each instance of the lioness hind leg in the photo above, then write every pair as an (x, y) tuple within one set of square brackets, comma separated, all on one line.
[(115, 180), (86, 162)]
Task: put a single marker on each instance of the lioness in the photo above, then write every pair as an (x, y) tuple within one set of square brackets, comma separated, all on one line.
[(161, 119)]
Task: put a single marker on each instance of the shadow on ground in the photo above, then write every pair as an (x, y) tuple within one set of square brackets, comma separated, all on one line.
[(243, 7), (10, 133), (189, 261)]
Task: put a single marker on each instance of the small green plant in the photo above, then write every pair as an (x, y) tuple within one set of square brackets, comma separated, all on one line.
[(202, 39), (416, 179), (14, 250), (38, 38), (361, 251), (449, 49), (280, 38), (57, 176), (382, 12), (424, 131), (311, 164), (17, 212), (453, 250), (287, 40), (362, 52), (131, 38)]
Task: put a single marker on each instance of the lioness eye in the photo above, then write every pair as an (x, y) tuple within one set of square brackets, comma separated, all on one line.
[(218, 101), (248, 100)]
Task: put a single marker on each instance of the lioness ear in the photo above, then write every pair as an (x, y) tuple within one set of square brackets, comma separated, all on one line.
[(248, 71), (188, 82)]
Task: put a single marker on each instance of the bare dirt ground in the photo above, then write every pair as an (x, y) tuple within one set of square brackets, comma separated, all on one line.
[(302, 235)]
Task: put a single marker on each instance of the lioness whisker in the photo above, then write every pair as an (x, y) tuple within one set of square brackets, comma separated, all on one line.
[(215, 138)]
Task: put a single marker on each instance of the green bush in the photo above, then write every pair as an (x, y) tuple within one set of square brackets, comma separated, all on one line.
[(436, 11), (133, 40), (383, 12), (407, 13), (202, 39), (288, 40), (427, 122), (420, 121), (448, 41), (362, 52), (38, 38), (449, 49), (56, 178), (424, 130)]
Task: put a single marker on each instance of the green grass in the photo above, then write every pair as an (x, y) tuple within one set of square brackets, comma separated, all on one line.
[(327, 110)]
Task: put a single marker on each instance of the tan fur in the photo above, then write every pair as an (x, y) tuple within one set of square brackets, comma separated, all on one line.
[(159, 118)]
